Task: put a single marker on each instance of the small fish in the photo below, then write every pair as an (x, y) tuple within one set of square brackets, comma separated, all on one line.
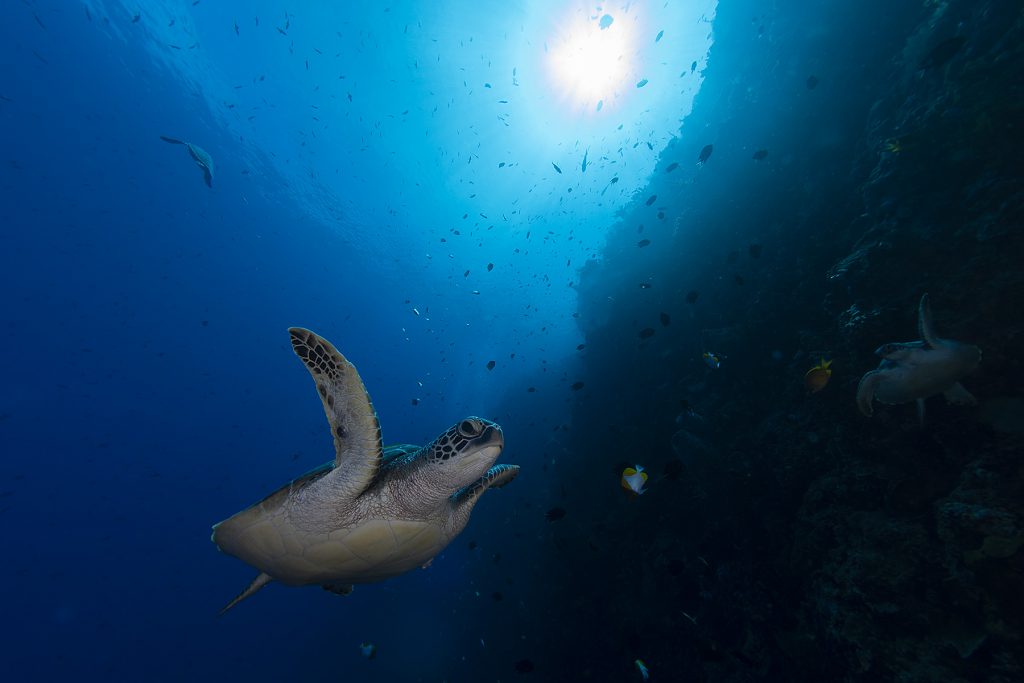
[(646, 333), (634, 479), (642, 668), (666, 320), (812, 82), (199, 155), (671, 167), (490, 365), (893, 145), (641, 83), (817, 377), (692, 296), (369, 650), (643, 243), (705, 154), (584, 165), (653, 198), (556, 167), (760, 155), (555, 514), (712, 360), (656, 39), (236, 29), (490, 267), (576, 386)]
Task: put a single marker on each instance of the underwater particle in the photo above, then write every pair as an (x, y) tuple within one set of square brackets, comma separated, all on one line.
[(760, 155), (942, 53), (676, 567), (471, 545), (665, 319), (812, 82), (643, 243), (738, 279), (645, 285), (497, 596), (755, 250), (600, 103), (671, 167), (576, 386), (368, 650), (691, 296), (673, 469), (490, 365), (555, 514), (531, 390), (606, 21), (705, 154), (646, 333), (658, 37), (556, 167), (641, 83), (580, 347), (642, 668), (204, 323), (415, 401), (817, 377), (650, 200), (490, 267), (525, 666)]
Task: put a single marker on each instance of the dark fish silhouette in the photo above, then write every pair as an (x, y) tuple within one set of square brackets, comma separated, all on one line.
[(555, 514), (942, 53), (199, 155), (705, 154)]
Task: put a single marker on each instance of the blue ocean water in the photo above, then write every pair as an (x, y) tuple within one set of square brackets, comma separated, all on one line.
[(383, 174), (666, 236)]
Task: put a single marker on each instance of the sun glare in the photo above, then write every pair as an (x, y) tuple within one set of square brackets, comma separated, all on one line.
[(590, 60)]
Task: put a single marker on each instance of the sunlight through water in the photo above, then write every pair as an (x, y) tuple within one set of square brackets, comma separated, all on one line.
[(591, 58)]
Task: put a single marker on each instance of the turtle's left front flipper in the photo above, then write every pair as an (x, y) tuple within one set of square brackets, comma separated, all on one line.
[(495, 478), (173, 141)]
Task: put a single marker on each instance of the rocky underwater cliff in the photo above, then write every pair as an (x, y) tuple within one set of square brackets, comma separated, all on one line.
[(862, 156)]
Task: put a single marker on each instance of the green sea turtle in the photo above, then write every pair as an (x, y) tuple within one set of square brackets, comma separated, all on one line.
[(913, 371), (372, 512), (199, 155)]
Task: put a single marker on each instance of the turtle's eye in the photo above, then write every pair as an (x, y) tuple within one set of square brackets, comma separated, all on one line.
[(470, 428)]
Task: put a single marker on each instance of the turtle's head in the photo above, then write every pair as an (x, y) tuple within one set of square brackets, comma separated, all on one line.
[(465, 452)]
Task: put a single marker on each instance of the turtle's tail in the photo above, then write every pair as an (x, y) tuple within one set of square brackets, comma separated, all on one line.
[(259, 582)]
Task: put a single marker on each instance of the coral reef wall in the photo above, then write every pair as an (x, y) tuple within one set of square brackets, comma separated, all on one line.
[(863, 154)]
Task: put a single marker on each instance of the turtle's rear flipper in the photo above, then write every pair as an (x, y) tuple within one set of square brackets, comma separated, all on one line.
[(173, 141), (338, 588), (259, 582), (959, 396), (208, 177)]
